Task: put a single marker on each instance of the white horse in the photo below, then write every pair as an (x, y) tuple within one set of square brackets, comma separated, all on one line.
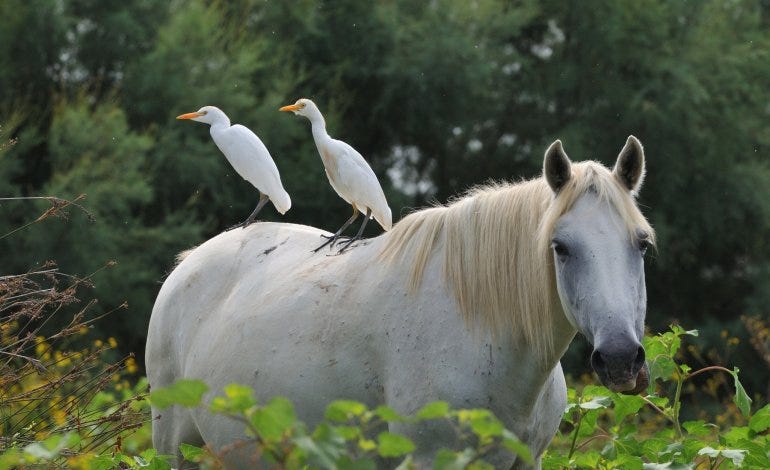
[(473, 303)]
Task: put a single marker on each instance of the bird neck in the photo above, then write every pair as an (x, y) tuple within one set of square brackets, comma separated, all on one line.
[(219, 119), (318, 125)]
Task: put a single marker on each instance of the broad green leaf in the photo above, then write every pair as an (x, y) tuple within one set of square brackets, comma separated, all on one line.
[(698, 428), (344, 410), (349, 432), (388, 414), (757, 454), (435, 410), (237, 400), (588, 459), (275, 419), (734, 435), (320, 453), (11, 458), (742, 400), (157, 463), (393, 445), (185, 392), (761, 419), (191, 453), (486, 426), (626, 405), (626, 462)]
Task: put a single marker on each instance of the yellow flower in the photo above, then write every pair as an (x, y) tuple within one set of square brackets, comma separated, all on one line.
[(98, 343), (112, 342), (131, 367)]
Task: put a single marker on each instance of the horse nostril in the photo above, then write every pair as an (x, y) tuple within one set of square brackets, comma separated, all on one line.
[(639, 360), (597, 361)]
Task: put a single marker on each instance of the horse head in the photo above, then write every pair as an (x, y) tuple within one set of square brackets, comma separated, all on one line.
[(598, 247)]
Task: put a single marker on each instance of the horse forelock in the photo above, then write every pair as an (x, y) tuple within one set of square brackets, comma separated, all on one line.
[(495, 243)]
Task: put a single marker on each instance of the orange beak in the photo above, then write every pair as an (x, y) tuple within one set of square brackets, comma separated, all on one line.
[(291, 107), (189, 115)]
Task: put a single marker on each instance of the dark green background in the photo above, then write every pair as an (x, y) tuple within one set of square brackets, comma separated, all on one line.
[(452, 93)]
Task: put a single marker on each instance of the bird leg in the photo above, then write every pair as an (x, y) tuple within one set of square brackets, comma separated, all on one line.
[(360, 231), (330, 240), (263, 198)]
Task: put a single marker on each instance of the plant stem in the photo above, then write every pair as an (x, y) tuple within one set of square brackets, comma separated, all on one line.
[(677, 404), (575, 435)]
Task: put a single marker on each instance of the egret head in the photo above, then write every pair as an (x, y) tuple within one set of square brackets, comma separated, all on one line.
[(207, 115), (303, 107)]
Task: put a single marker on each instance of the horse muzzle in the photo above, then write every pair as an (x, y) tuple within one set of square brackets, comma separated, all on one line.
[(622, 368)]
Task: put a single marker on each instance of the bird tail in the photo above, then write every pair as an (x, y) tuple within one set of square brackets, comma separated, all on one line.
[(281, 201), (384, 217)]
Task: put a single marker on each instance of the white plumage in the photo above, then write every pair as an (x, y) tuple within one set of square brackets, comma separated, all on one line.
[(248, 156), (348, 172)]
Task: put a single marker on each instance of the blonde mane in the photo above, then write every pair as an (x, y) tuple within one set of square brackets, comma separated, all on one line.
[(496, 248)]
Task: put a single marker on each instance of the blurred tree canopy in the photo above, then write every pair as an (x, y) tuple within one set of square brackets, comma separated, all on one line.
[(437, 95)]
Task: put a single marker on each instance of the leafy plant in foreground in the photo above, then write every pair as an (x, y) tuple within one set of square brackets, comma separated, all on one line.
[(607, 430), (351, 436)]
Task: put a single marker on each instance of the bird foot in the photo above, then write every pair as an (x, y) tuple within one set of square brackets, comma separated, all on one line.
[(347, 244), (243, 224)]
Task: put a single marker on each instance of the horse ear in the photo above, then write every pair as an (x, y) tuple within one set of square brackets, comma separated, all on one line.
[(629, 169), (557, 168)]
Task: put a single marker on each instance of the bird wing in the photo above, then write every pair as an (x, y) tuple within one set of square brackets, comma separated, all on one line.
[(359, 183), (251, 159)]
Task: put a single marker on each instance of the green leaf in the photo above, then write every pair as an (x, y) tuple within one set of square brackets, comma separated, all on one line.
[(761, 419), (388, 414), (512, 443), (185, 392), (11, 458), (741, 399), (698, 428), (434, 410), (486, 426), (191, 453), (238, 398), (626, 405), (275, 419), (344, 410), (757, 456), (393, 445)]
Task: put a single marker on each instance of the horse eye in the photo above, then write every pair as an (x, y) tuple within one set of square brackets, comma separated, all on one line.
[(643, 245), (560, 249)]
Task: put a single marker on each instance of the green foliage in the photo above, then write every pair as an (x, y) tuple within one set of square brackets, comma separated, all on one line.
[(351, 436), (603, 429)]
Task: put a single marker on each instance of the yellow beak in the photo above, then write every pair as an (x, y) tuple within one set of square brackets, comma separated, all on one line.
[(291, 107), (189, 115)]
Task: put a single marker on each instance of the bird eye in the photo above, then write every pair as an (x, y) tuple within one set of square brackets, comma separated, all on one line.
[(204, 112), (560, 249)]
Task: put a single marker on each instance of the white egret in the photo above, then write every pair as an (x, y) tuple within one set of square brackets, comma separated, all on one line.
[(248, 156), (349, 174)]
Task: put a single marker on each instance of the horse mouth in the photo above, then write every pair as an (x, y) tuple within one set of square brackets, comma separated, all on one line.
[(629, 385)]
